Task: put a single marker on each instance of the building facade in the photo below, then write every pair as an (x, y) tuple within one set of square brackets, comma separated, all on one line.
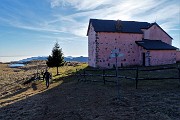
[(138, 43), (178, 56)]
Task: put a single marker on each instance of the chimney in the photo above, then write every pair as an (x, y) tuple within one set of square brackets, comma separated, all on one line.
[(119, 25)]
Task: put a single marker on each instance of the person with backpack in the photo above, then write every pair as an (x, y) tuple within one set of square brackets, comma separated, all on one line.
[(47, 76)]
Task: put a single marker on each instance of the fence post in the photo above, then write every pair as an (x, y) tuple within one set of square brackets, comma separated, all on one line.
[(137, 76), (84, 72), (179, 72), (104, 76), (77, 75)]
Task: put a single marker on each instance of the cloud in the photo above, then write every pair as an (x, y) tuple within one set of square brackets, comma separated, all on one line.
[(67, 20), (76, 21), (79, 4), (129, 9), (32, 27), (163, 12), (58, 3)]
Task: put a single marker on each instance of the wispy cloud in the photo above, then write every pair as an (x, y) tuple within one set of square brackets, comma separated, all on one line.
[(130, 9), (80, 4), (163, 11), (57, 3)]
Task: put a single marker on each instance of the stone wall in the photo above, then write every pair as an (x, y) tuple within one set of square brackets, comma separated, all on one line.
[(107, 42), (178, 56), (162, 57), (101, 44), (91, 47)]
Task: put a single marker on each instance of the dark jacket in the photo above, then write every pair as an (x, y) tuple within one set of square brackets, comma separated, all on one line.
[(47, 76)]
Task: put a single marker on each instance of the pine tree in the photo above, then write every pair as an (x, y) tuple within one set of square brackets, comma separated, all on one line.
[(56, 59)]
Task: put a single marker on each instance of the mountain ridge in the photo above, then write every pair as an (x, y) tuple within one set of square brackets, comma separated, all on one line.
[(68, 58)]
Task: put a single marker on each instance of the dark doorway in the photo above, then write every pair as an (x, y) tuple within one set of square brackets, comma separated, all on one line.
[(144, 58)]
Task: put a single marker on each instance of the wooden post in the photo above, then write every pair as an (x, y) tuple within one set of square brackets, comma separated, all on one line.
[(179, 72), (116, 65), (104, 76), (37, 67), (137, 77), (84, 72), (77, 75)]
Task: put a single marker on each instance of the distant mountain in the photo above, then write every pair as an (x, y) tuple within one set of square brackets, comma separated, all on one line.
[(32, 58), (78, 59), (68, 58)]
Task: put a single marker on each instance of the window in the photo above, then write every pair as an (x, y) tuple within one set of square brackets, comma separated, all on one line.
[(108, 64)]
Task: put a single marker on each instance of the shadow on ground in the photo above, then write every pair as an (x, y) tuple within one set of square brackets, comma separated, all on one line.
[(73, 100)]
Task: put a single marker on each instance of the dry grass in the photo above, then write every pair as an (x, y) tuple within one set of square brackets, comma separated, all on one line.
[(68, 99), (11, 79)]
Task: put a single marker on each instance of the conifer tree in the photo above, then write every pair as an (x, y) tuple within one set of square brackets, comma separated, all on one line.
[(56, 59)]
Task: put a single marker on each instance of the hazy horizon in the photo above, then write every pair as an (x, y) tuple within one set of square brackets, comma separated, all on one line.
[(11, 59)]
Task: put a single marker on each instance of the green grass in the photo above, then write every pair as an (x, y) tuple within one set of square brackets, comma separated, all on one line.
[(65, 71)]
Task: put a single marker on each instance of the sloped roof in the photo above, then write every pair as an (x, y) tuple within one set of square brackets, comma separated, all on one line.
[(126, 26), (155, 45), (110, 26)]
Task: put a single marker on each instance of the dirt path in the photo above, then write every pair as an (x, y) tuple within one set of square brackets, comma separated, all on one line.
[(94, 101)]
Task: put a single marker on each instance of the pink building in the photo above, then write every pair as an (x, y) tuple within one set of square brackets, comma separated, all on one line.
[(178, 56), (139, 43)]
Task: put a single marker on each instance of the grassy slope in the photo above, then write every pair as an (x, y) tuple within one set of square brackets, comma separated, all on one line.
[(66, 70), (12, 90), (152, 99), (12, 79)]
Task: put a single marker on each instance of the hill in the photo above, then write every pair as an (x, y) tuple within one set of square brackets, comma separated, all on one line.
[(69, 58), (32, 59), (70, 99), (77, 59)]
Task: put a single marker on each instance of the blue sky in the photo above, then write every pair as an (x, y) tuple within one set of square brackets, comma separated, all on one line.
[(31, 27)]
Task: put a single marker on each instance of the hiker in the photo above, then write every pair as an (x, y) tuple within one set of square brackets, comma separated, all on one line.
[(47, 76)]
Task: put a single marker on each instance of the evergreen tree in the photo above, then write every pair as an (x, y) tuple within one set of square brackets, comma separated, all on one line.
[(56, 59)]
